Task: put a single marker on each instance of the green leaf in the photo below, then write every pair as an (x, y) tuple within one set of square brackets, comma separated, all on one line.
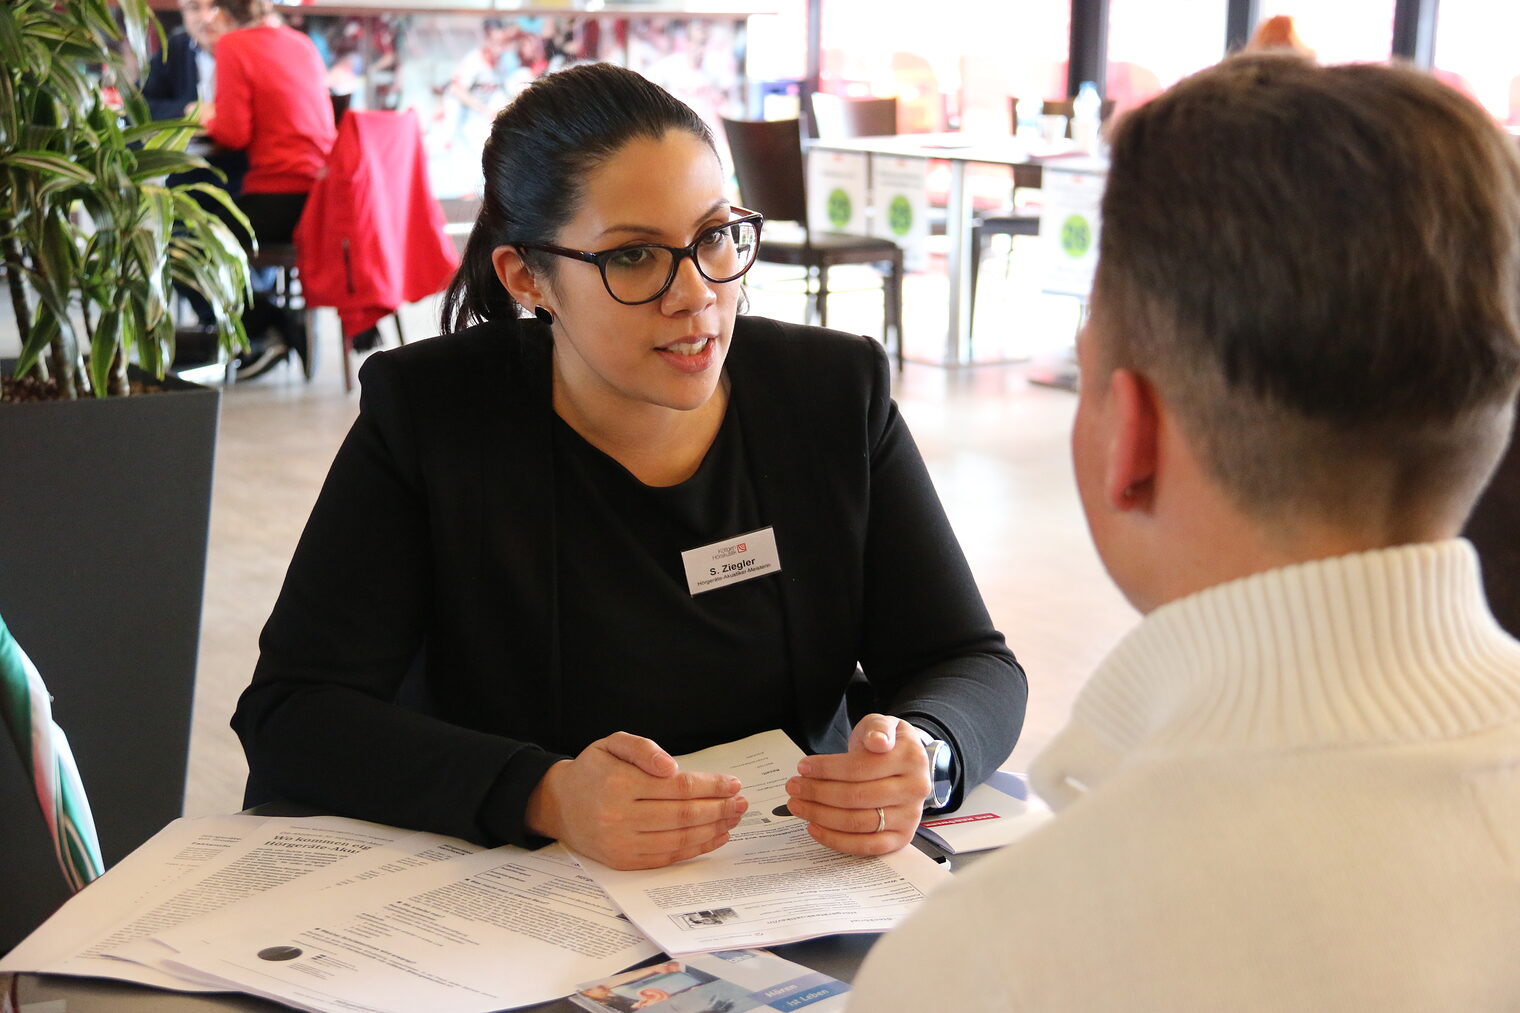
[(51, 164), (152, 164), (44, 329), (136, 18), (103, 348)]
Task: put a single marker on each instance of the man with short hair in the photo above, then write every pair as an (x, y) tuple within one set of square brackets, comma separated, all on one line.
[(183, 74), (1296, 785)]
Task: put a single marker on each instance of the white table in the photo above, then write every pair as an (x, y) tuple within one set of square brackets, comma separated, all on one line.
[(960, 150)]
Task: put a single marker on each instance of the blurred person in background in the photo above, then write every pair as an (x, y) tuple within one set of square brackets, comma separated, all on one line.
[(180, 76), (1278, 34), (271, 102)]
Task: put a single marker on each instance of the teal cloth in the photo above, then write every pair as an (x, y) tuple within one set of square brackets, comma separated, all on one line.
[(26, 709)]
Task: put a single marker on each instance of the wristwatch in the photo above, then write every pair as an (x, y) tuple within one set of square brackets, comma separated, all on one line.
[(941, 768)]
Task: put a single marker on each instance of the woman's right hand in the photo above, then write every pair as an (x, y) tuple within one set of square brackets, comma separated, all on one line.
[(625, 802)]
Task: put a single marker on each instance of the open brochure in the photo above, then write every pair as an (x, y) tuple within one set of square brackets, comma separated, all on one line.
[(995, 813), (728, 981), (772, 883)]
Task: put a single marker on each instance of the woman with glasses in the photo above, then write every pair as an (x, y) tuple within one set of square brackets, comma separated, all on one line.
[(606, 520)]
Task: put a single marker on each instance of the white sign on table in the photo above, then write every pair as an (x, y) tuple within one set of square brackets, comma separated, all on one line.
[(838, 192), (900, 203), (1070, 224)]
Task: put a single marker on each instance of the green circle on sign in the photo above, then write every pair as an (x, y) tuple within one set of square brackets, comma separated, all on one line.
[(839, 208), (1076, 236), (900, 215)]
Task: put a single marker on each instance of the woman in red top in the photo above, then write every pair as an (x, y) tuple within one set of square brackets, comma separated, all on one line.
[(272, 102)]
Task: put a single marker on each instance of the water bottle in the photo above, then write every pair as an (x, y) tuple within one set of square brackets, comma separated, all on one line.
[(1086, 116), (1028, 112)]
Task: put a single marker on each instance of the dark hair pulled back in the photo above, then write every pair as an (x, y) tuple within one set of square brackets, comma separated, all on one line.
[(536, 160)]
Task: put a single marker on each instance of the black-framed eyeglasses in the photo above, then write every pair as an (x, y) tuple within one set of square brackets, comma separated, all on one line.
[(635, 275)]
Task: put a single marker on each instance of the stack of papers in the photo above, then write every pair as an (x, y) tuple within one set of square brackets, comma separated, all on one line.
[(330, 914)]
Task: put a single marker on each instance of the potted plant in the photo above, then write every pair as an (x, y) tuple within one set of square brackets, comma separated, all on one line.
[(88, 224), (106, 502)]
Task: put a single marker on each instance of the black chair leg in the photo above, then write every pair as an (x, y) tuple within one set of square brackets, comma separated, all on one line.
[(978, 248), (895, 307)]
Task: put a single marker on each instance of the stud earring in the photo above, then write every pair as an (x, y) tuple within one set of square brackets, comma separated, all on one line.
[(543, 316)]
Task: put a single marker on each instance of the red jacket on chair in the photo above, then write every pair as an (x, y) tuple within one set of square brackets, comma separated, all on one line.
[(371, 237)]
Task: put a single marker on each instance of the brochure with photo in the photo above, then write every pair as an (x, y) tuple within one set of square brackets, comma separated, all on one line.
[(727, 981)]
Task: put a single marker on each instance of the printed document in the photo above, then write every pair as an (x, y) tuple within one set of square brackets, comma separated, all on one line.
[(478, 932), (407, 852), (190, 868), (771, 883)]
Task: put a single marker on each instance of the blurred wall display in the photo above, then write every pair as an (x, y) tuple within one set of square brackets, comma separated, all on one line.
[(457, 70)]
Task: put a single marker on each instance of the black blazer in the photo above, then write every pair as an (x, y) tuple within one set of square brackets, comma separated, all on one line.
[(173, 80), (436, 528)]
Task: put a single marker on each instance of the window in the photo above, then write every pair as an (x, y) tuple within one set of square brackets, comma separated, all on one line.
[(952, 66), (1475, 52), (1152, 46), (1340, 31)]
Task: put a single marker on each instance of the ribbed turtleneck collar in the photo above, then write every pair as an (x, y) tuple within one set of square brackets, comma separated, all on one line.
[(1390, 646)]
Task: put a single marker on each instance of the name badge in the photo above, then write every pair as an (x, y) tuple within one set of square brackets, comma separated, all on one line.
[(710, 567)]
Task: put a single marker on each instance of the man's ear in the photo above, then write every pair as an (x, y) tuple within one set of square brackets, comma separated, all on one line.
[(1135, 430), (517, 277)]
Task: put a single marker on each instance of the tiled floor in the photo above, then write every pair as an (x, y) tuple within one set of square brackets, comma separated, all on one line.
[(995, 444)]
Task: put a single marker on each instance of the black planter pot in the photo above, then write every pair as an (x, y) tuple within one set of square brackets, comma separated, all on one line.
[(104, 512)]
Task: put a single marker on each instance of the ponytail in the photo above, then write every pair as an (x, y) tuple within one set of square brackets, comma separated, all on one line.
[(535, 162)]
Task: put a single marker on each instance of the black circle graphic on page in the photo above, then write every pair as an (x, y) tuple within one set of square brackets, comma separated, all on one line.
[(279, 953)]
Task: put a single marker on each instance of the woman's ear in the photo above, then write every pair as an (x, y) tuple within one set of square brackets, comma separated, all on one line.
[(516, 276)]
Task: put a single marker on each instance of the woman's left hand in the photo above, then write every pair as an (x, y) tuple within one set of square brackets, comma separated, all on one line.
[(839, 794)]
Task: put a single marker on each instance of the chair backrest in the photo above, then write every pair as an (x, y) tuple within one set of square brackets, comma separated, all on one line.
[(1066, 107), (768, 163), (838, 117)]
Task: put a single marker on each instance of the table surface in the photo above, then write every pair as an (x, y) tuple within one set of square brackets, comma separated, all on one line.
[(838, 956), (995, 149)]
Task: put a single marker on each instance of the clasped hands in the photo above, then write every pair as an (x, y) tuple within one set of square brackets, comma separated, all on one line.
[(625, 802)]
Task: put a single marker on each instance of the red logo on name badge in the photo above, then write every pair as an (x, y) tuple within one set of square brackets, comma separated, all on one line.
[(741, 546)]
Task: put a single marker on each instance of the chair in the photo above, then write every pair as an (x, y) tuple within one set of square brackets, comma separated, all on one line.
[(1066, 107), (1018, 220), (289, 296), (768, 163), (372, 235), (838, 117)]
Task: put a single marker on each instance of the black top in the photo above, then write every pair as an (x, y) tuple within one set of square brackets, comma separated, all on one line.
[(640, 653), (432, 551)]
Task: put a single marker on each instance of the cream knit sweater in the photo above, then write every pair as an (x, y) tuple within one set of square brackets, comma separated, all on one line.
[(1295, 791)]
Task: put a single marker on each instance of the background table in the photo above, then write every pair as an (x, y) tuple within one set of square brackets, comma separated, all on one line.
[(960, 150)]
